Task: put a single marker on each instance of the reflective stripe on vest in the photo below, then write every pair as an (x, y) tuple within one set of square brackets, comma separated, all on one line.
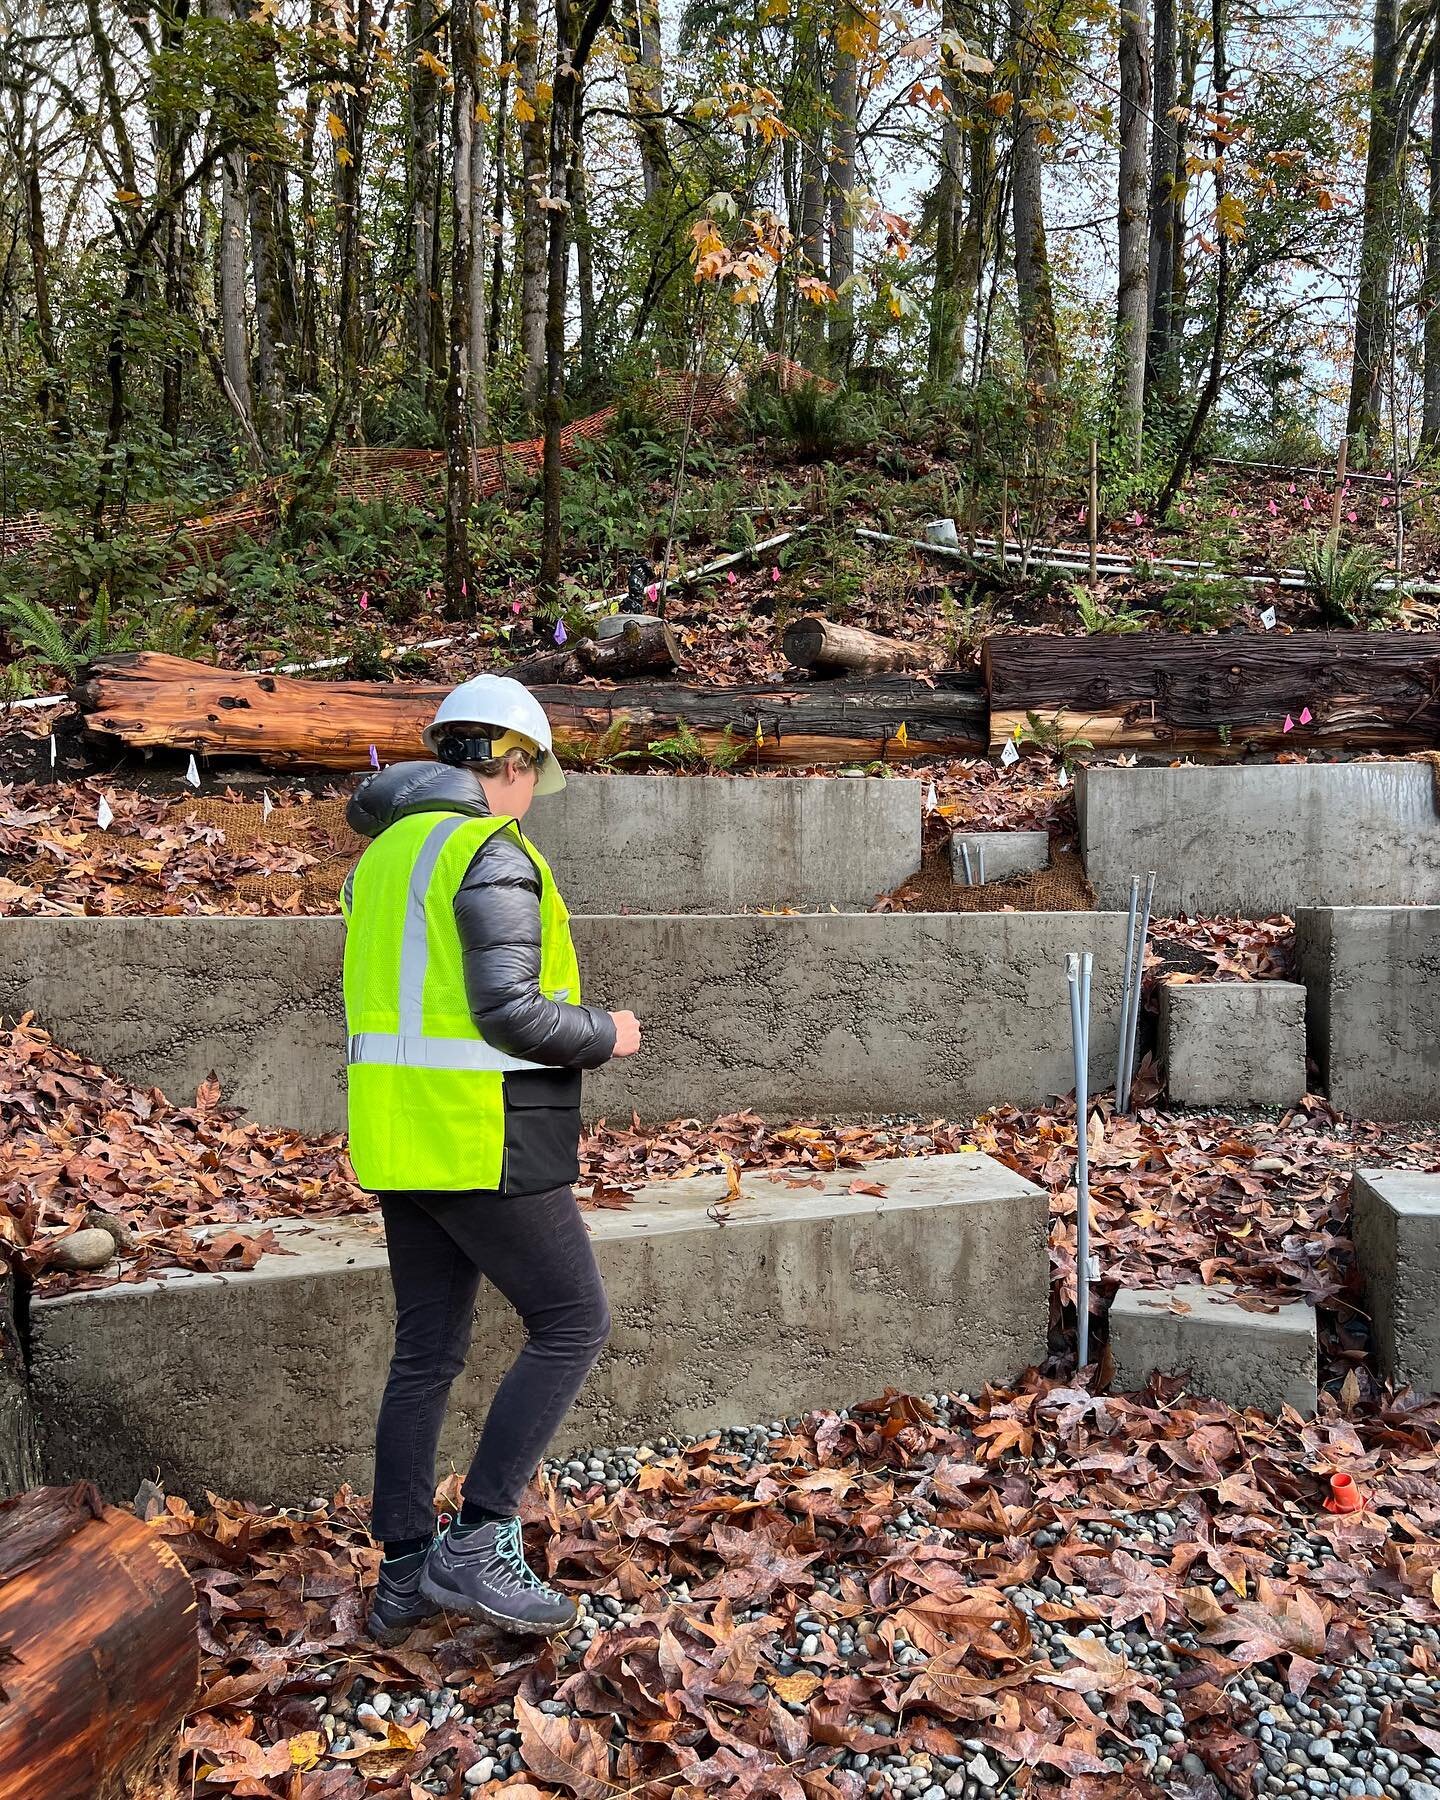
[(427, 1105)]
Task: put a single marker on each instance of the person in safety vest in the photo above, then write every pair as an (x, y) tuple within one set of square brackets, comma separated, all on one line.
[(467, 1036)]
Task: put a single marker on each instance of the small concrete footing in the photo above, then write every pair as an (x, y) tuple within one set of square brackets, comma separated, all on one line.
[(1004, 854), (1233, 1043), (1396, 1227), (1217, 1346), (264, 1383)]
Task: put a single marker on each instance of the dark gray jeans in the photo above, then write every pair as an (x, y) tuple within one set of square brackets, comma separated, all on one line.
[(535, 1249)]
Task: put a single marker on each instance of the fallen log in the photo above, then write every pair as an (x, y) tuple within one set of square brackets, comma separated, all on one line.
[(640, 647), (99, 1645), (147, 701), (1221, 696), (815, 643)]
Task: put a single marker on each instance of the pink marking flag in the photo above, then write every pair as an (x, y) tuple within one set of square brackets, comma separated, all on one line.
[(374, 758), (1305, 715), (1289, 724)]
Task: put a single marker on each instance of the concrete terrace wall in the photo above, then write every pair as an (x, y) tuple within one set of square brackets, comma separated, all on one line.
[(716, 843), (264, 1383), (840, 1015), (1263, 838), (1372, 1013)]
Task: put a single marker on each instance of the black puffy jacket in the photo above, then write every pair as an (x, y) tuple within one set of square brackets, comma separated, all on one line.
[(497, 916)]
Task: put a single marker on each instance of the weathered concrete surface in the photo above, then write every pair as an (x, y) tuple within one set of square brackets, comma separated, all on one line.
[(1264, 837), (716, 843), (1396, 1226), (1006, 853), (1261, 1359), (264, 1384), (843, 1015), (1233, 1043), (1372, 1013)]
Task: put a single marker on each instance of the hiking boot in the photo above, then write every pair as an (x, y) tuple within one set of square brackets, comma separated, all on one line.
[(398, 1605), (484, 1575)]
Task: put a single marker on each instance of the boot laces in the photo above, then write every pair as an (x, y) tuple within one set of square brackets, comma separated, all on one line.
[(507, 1566)]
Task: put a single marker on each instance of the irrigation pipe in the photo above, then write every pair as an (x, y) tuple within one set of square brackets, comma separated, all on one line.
[(1126, 980), (1077, 973), (1130, 1028)]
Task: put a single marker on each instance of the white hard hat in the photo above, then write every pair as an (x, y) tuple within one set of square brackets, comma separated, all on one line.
[(496, 706)]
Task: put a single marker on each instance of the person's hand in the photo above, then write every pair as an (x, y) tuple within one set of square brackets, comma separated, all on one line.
[(627, 1033)]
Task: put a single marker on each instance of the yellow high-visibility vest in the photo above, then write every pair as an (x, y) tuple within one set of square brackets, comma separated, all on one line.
[(426, 1092)]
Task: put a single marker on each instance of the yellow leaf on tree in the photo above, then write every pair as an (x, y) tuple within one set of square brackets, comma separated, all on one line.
[(543, 92), (482, 113), (427, 59), (127, 197), (1230, 217), (524, 111), (335, 125)]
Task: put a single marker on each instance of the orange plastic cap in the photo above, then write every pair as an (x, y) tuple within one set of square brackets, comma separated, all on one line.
[(1344, 1496)]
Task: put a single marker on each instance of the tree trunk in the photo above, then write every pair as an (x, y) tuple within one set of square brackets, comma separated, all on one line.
[(308, 330), (947, 348), (459, 575), (477, 348), (149, 699), (51, 395), (1164, 203), (1430, 293), (1210, 393), (19, 1452), (1171, 692), (644, 83), (1032, 256), (100, 1643), (584, 263), (810, 335), (1133, 311), (497, 236), (269, 323), (844, 104), (815, 643), (534, 238), (423, 100), (563, 125), (1379, 225), (351, 110)]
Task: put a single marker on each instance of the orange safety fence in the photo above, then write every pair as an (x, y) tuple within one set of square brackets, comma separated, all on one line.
[(414, 477)]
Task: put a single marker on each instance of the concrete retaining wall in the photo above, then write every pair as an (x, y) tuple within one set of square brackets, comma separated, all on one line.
[(264, 1384), (1263, 838), (841, 1015), (1372, 1011), (715, 843)]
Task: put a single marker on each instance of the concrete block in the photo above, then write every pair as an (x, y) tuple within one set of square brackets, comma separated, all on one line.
[(1372, 980), (1216, 1345), (722, 843), (1396, 1227), (843, 1015), (1233, 1043), (1262, 838), (1006, 853), (264, 1384)]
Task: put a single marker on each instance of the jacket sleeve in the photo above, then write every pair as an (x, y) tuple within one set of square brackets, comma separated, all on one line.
[(497, 913)]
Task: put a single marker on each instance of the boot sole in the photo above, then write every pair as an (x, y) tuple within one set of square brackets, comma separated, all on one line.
[(388, 1636), (476, 1609)]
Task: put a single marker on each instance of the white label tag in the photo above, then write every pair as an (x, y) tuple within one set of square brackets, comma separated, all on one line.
[(104, 818), (1062, 778), (932, 800), (1092, 1268), (1267, 618), (192, 774), (52, 749), (1009, 754), (267, 806)]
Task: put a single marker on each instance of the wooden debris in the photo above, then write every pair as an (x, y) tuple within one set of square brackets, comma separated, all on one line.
[(1222, 696), (816, 643), (99, 1644), (146, 700)]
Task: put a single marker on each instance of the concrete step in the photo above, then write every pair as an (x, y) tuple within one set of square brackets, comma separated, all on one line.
[(999, 854), (1372, 975), (263, 1384), (819, 1015), (1233, 1043), (717, 843), (1217, 1346), (1396, 1227), (1264, 837)]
